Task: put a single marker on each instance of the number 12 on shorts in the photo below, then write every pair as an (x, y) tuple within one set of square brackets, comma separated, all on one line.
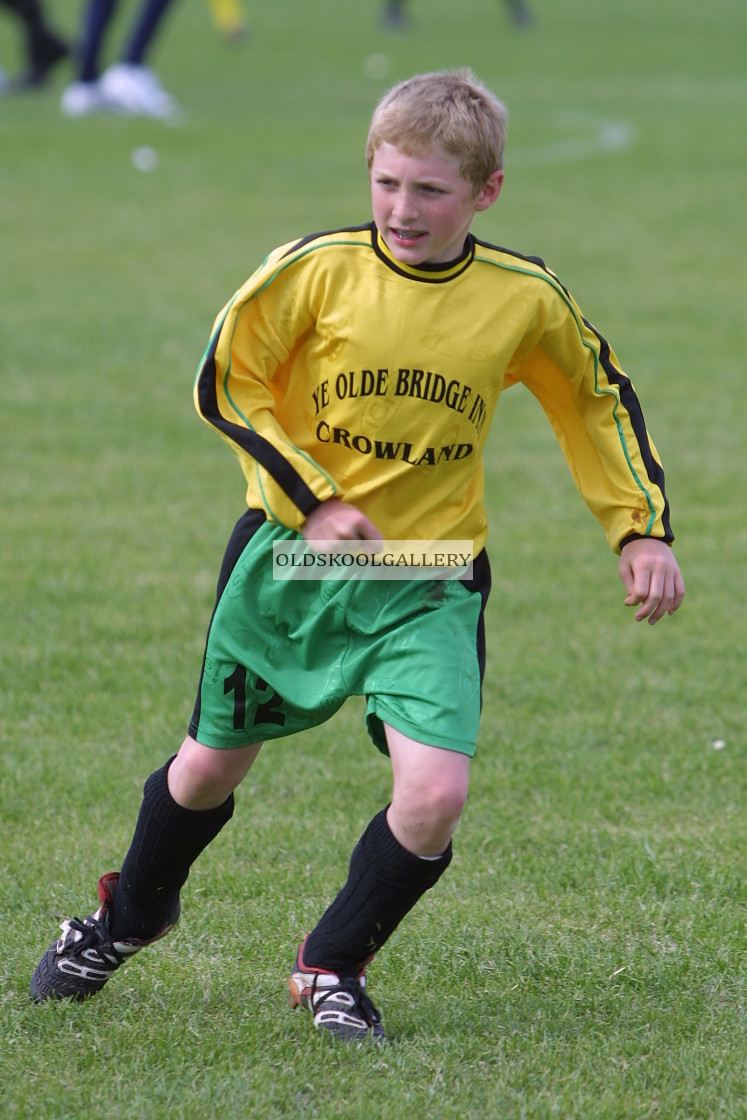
[(265, 712)]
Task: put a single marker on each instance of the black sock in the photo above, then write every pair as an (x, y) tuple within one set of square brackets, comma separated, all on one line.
[(384, 882), (167, 841)]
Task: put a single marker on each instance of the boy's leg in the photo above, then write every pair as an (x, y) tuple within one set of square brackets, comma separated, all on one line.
[(146, 26), (141, 903), (129, 87), (44, 49), (185, 805), (402, 854), (96, 21), (520, 12), (394, 15), (429, 793), (83, 95)]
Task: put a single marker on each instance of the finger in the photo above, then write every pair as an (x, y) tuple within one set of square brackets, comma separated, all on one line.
[(638, 587), (667, 600), (356, 529), (626, 576), (355, 526), (369, 532), (649, 595), (679, 593)]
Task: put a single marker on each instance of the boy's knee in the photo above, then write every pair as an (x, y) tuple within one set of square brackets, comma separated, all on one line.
[(205, 764), (201, 777), (424, 818), (437, 802)]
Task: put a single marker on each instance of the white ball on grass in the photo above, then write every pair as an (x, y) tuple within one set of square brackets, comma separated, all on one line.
[(144, 158), (377, 66)]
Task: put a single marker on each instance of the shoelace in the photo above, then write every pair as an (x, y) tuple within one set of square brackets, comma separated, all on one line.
[(362, 1003), (89, 934)]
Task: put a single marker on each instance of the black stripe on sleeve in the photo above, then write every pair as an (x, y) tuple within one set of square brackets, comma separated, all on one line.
[(632, 405), (255, 445)]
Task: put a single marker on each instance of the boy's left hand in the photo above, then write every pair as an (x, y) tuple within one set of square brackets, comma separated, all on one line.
[(652, 578)]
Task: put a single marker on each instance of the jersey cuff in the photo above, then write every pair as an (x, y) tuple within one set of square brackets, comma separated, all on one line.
[(641, 537)]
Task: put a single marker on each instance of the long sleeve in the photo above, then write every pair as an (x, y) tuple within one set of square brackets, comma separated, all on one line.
[(237, 391), (597, 419)]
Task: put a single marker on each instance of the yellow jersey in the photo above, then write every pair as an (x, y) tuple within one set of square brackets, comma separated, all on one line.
[(337, 371)]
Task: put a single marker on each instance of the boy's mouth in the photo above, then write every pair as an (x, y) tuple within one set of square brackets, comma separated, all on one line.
[(408, 236)]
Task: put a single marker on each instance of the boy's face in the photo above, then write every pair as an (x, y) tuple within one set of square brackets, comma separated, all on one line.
[(423, 206)]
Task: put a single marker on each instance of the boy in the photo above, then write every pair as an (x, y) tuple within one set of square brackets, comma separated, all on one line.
[(355, 376)]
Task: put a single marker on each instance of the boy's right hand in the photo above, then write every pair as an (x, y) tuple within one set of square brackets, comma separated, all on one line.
[(335, 520)]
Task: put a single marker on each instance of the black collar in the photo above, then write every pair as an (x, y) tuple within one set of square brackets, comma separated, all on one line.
[(427, 273)]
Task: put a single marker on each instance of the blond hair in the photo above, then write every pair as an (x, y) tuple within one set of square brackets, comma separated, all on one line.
[(449, 109)]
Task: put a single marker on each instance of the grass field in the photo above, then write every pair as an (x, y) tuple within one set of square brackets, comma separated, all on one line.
[(584, 959)]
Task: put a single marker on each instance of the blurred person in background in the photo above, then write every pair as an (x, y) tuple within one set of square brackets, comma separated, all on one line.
[(128, 87), (228, 18), (43, 47), (395, 15)]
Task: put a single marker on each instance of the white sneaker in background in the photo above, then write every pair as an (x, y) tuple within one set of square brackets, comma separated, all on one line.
[(81, 98), (135, 91)]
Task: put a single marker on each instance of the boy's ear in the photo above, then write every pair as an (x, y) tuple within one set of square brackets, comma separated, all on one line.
[(490, 191)]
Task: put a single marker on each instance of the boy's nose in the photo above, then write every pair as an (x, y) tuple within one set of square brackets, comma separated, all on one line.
[(404, 206)]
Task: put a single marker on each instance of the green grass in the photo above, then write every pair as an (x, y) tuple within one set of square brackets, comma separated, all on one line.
[(584, 959)]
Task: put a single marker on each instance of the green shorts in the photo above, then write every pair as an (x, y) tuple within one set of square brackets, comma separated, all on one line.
[(284, 655)]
